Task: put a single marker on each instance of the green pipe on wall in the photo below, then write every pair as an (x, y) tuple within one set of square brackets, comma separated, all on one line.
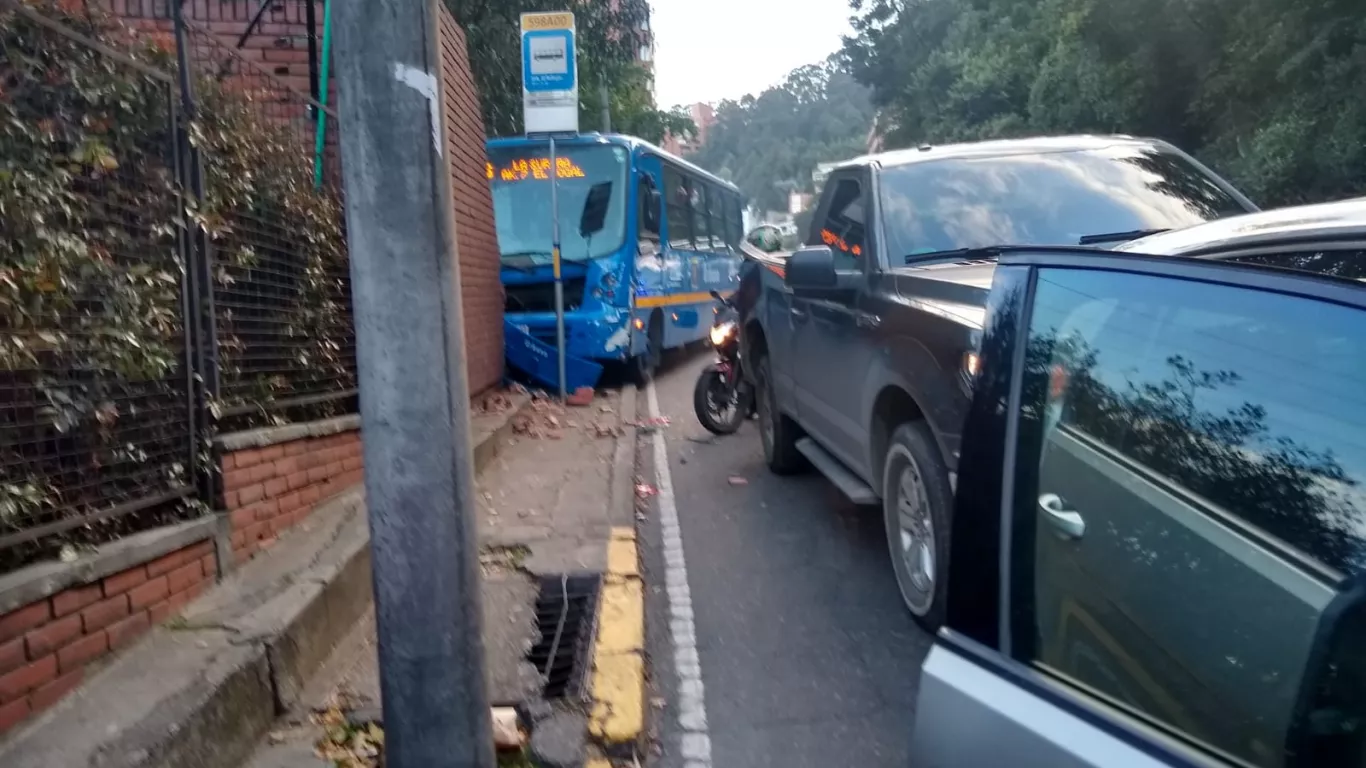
[(321, 133)]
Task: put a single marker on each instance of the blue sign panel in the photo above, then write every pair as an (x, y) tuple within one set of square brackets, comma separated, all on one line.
[(548, 60)]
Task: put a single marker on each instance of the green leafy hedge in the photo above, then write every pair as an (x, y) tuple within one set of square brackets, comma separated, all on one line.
[(93, 384)]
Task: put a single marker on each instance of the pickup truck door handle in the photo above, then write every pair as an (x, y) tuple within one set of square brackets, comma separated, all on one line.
[(797, 312), (867, 319), (1067, 523)]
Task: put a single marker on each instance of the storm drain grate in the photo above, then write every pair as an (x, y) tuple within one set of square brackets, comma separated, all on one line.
[(565, 609)]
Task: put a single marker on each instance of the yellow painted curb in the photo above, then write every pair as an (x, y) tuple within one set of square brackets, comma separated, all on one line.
[(619, 649), (621, 617), (618, 715), (621, 555)]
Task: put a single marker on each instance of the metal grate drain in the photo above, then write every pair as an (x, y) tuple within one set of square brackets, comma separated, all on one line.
[(565, 610)]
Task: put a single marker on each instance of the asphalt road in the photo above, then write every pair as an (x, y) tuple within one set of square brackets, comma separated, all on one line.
[(806, 652)]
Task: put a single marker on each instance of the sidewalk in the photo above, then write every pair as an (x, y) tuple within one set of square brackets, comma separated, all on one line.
[(548, 504), (250, 660)]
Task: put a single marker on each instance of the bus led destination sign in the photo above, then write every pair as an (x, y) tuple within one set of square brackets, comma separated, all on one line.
[(521, 168)]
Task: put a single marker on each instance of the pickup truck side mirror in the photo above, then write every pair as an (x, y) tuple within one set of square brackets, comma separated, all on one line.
[(811, 271)]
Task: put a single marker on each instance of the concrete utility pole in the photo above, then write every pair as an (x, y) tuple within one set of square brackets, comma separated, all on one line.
[(414, 398)]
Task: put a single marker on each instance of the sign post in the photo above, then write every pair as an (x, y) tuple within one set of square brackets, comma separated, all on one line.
[(550, 105), (555, 260)]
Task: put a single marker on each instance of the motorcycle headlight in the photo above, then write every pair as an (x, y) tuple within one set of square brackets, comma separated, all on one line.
[(719, 333)]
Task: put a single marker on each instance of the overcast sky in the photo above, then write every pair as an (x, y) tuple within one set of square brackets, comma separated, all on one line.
[(708, 50)]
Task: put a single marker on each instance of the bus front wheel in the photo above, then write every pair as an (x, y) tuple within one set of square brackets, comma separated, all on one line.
[(644, 365)]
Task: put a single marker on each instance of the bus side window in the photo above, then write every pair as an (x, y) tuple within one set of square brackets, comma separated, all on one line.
[(720, 201), (679, 221), (701, 238), (734, 222), (650, 205)]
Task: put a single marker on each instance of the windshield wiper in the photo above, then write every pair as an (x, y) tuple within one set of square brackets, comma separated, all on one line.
[(523, 255), (951, 253), (1115, 237)]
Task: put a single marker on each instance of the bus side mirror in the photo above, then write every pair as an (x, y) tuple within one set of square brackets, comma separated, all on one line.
[(594, 215)]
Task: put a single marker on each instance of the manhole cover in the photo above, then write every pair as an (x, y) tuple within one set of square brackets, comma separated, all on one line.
[(565, 608)]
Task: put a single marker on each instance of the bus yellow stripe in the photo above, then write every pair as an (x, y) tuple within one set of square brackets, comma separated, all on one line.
[(698, 297)]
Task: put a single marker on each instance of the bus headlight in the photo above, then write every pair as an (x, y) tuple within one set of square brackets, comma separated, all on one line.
[(719, 333)]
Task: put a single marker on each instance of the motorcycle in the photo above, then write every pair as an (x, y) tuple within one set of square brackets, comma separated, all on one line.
[(722, 398)]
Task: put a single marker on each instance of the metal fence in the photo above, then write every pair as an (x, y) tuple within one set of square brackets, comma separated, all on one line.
[(172, 266), (279, 276)]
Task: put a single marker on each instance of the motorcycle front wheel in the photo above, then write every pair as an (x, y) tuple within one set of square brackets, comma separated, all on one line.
[(718, 405)]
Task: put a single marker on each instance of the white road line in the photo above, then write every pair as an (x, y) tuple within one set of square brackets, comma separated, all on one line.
[(695, 744)]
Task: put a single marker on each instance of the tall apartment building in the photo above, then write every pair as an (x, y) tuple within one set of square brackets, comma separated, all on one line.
[(704, 117)]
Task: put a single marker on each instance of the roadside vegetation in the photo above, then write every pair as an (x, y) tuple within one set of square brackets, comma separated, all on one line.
[(1266, 91)]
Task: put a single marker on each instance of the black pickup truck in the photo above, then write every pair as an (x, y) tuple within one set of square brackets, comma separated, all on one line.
[(864, 342)]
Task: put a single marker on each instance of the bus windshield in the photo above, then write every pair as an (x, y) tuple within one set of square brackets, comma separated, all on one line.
[(520, 180)]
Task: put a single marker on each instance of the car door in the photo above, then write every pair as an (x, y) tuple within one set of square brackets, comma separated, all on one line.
[(1171, 503), (832, 341)]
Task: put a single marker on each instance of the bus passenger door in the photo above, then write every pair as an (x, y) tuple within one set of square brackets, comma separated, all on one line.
[(649, 267)]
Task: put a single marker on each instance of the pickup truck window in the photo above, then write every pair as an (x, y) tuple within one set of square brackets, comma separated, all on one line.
[(843, 226), (1043, 199), (1192, 474), (1347, 264)]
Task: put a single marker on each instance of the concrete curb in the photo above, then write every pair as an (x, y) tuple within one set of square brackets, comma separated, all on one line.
[(617, 719), (204, 695)]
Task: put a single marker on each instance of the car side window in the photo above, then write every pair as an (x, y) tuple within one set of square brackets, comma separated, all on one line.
[(1349, 264), (843, 226), (1190, 499)]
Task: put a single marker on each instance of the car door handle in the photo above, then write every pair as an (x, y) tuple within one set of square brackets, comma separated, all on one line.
[(1067, 523), (867, 320), (798, 313)]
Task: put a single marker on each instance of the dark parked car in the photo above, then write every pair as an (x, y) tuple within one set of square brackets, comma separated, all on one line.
[(1159, 539), (863, 354)]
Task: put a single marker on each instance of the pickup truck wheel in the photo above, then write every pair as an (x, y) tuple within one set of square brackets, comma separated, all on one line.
[(777, 432), (916, 502)]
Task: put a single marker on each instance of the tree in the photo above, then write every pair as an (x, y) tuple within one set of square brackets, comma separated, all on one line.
[(608, 37), (769, 144), (1265, 90)]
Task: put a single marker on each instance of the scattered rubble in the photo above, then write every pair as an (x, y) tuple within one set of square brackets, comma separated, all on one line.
[(499, 400), (507, 730), (651, 424), (346, 745), (581, 397)]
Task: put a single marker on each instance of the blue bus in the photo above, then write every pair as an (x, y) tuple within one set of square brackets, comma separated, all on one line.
[(644, 238)]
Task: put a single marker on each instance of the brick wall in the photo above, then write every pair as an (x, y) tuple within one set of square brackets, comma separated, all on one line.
[(47, 647), (268, 490), (278, 45), (481, 287)]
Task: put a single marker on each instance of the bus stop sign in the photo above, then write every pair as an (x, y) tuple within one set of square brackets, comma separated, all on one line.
[(550, 87)]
